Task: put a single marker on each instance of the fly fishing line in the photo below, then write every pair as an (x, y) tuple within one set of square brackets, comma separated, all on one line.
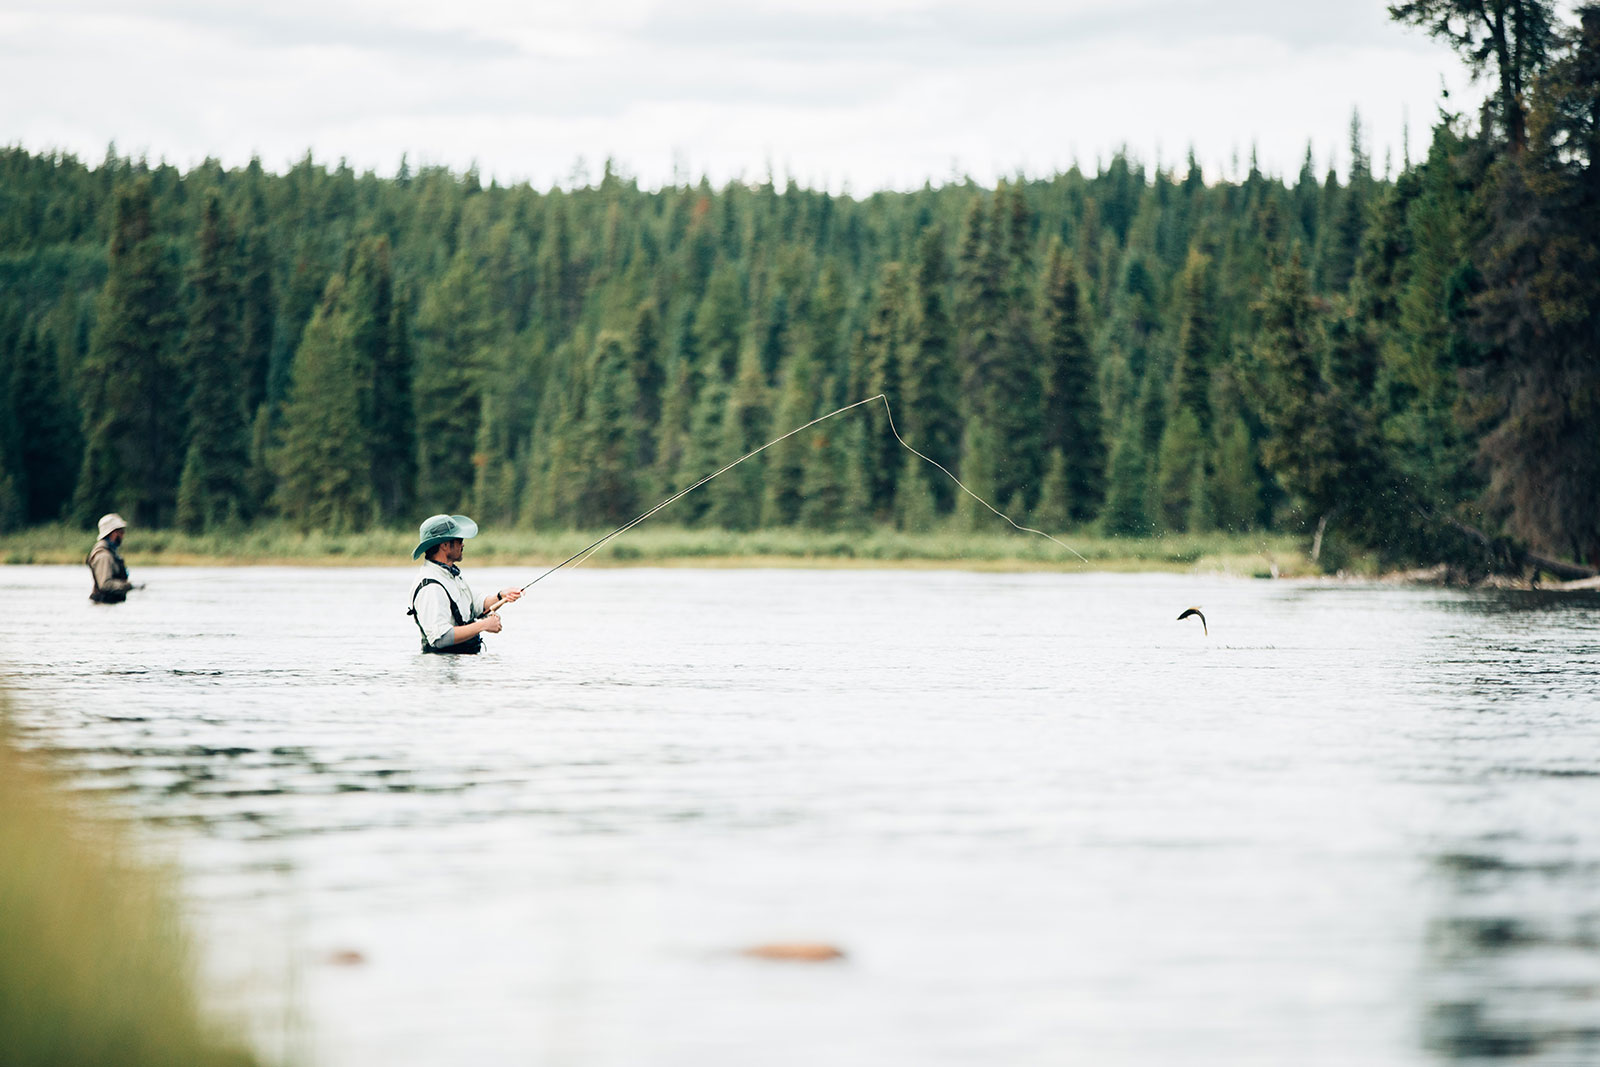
[(579, 557)]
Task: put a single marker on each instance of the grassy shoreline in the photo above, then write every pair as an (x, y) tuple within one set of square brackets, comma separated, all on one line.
[(1249, 555)]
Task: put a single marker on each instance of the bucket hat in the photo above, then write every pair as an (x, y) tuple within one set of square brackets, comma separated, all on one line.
[(111, 522), (441, 528)]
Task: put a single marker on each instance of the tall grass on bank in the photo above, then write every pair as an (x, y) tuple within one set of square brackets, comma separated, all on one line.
[(94, 970), (1246, 554)]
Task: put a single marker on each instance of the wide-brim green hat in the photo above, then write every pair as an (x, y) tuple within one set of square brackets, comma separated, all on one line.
[(438, 529)]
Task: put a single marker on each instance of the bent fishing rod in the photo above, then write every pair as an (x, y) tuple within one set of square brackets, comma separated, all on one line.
[(578, 557)]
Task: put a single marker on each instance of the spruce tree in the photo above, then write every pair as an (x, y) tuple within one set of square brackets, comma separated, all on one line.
[(46, 443), (1072, 420), (1011, 388), (746, 426), (915, 508), (609, 495), (324, 465), (672, 430), (257, 308), (1180, 462), (1126, 512), (1513, 37), (497, 480), (555, 470), (1202, 516), (882, 355), (823, 495), (645, 365), (1197, 340), (703, 452), (855, 506), (453, 331), (1235, 487), (782, 495), (930, 414), (13, 509), (1539, 313), (980, 308), (978, 460), (308, 280), (211, 490), (719, 324), (826, 312), (1055, 495), (1295, 400), (394, 440), (132, 384)]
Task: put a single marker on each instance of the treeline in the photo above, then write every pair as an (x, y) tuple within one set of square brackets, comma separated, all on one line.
[(1409, 362)]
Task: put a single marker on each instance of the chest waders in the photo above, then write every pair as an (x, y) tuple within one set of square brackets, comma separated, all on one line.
[(460, 648), (119, 570)]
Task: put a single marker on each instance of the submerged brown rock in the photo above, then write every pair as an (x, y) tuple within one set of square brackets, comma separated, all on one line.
[(797, 951)]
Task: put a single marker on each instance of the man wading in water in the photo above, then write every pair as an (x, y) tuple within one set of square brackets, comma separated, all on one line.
[(111, 583), (442, 603)]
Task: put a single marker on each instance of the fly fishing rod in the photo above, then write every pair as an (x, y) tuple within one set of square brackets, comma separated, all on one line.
[(578, 557)]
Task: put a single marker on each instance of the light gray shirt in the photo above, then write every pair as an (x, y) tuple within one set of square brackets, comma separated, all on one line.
[(433, 603)]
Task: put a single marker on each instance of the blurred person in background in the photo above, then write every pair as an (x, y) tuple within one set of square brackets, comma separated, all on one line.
[(111, 583)]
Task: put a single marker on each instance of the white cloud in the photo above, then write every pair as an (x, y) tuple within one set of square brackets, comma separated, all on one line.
[(888, 93)]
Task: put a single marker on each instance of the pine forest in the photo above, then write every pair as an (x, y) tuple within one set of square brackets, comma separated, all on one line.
[(1396, 356)]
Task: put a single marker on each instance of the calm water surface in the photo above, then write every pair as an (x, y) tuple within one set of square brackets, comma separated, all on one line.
[(1047, 823)]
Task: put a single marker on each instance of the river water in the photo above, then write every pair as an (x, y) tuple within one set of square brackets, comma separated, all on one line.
[(1045, 822)]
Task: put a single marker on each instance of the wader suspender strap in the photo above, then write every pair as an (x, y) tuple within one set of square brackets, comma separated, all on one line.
[(462, 647)]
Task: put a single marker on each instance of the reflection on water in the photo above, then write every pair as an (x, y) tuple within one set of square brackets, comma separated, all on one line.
[(1047, 824), (1513, 953)]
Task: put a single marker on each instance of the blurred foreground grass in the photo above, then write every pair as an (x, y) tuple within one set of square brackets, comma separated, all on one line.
[(1241, 554), (94, 969)]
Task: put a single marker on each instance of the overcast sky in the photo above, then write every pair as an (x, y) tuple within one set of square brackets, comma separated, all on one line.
[(857, 94)]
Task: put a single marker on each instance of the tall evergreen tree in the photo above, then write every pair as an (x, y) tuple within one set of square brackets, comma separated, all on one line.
[(881, 359), (746, 426), (1055, 499), (930, 414), (1510, 37), (1322, 452), (394, 441), (719, 324), (1346, 221), (1126, 510), (212, 488), (308, 280), (378, 320), (1197, 340), (979, 458), (1540, 312), (823, 492), (609, 494), (783, 493), (257, 310), (453, 330), (1012, 388), (1072, 419), (324, 465), (703, 451), (646, 368), (1180, 465), (13, 509), (980, 307), (1235, 489), (47, 445), (131, 382)]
